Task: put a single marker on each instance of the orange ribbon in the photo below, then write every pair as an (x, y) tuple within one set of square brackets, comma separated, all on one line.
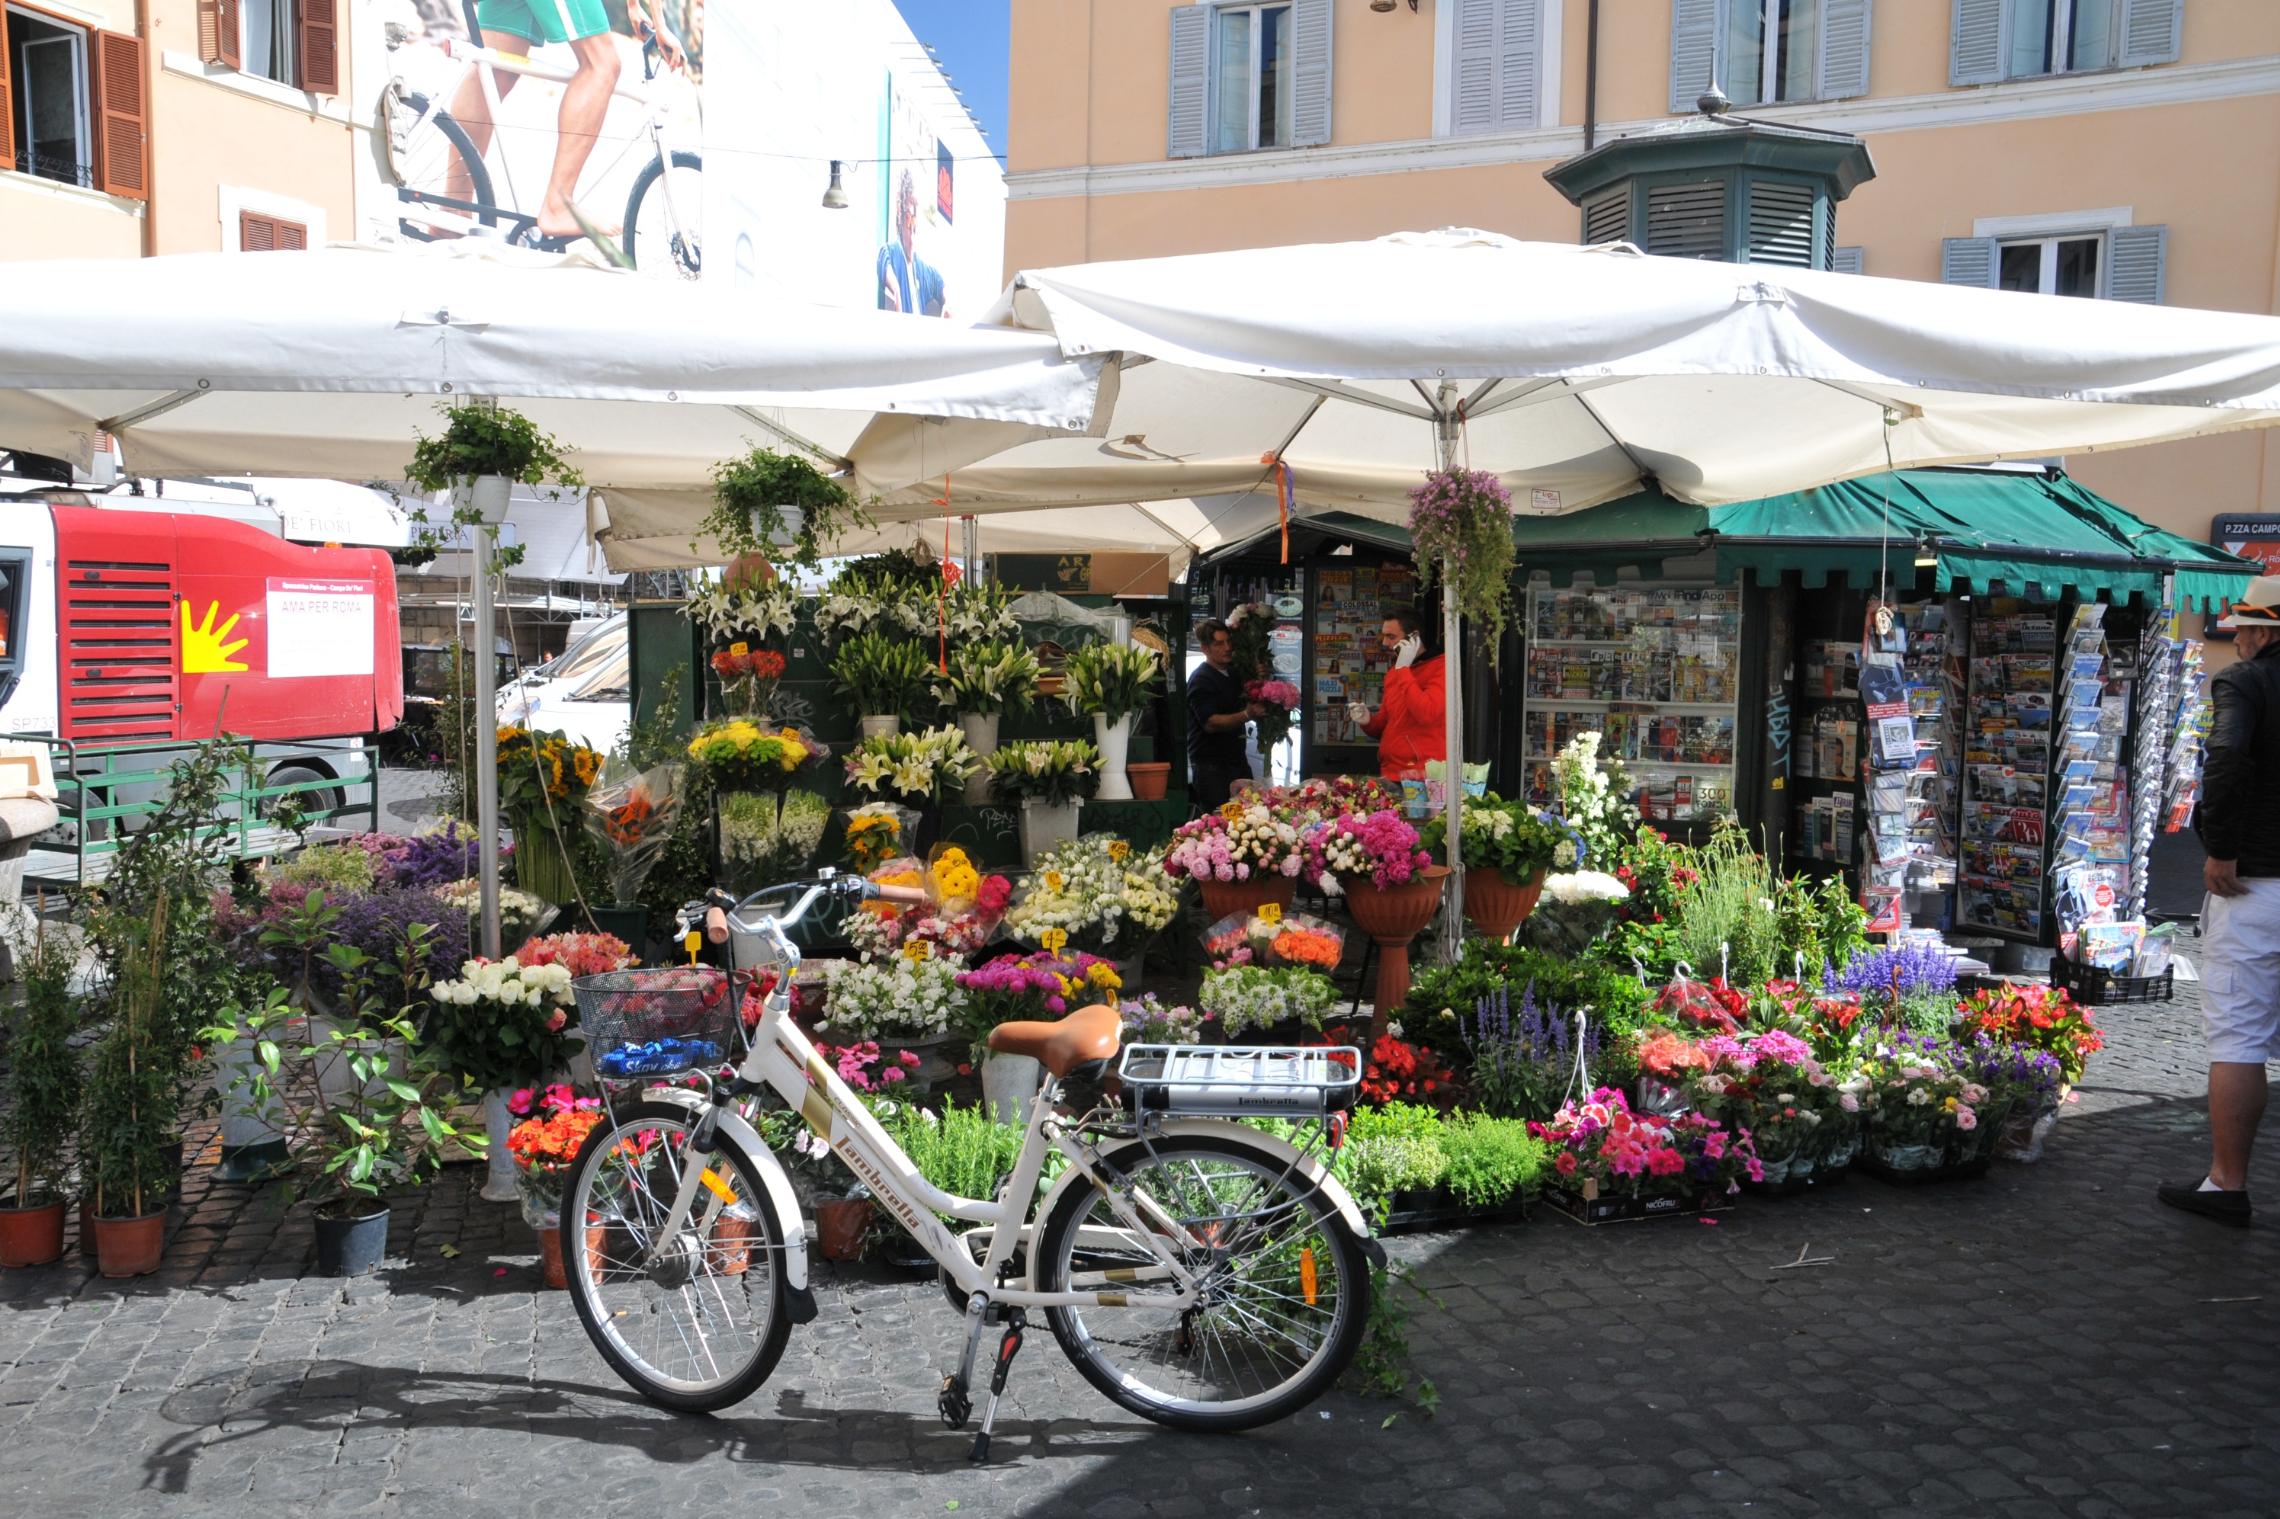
[(942, 589), (1285, 488)]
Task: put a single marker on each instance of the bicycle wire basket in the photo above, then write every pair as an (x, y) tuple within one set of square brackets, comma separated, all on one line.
[(658, 1020)]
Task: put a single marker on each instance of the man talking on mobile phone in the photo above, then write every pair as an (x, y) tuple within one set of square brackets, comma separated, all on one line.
[(1410, 725), (2238, 821)]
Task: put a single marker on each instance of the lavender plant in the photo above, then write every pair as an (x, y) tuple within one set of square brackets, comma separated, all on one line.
[(1912, 986), (1522, 1056)]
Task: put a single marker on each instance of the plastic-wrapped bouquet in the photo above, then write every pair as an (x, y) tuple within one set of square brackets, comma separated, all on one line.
[(633, 813), (915, 769), (518, 909), (502, 1023), (1108, 897), (901, 997), (1240, 840), (553, 1122), (962, 910), (1249, 996), (1280, 698), (742, 755), (1379, 845), (1149, 1020), (748, 678), (765, 838), (874, 833), (1274, 938), (580, 954)]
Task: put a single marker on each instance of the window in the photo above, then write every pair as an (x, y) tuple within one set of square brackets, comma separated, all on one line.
[(1246, 78), (270, 234), (1994, 40), (2050, 266), (1250, 76), (47, 67), (268, 40), (1496, 64), (1763, 52)]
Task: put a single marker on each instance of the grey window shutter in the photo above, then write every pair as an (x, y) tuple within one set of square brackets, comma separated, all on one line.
[(2153, 31), (1310, 73), (1969, 261), (1687, 220), (1844, 49), (1846, 260), (1478, 26), (1518, 64), (1189, 132), (1694, 28), (1780, 216), (2137, 265), (1975, 42), (1607, 216)]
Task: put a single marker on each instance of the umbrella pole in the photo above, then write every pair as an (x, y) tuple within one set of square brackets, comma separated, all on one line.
[(486, 743), (1453, 706)]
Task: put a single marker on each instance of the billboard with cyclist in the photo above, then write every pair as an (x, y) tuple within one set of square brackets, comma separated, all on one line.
[(542, 122)]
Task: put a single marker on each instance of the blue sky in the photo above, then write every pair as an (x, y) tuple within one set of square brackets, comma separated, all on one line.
[(973, 39)]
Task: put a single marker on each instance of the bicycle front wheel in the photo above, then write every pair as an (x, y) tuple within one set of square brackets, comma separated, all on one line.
[(436, 162), (694, 1322), (664, 215), (1286, 1286)]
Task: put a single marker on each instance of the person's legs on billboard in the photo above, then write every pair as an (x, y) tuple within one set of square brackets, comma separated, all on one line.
[(585, 102)]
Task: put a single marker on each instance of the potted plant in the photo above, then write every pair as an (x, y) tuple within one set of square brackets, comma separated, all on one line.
[(1038, 987), (748, 679), (129, 1149), (1048, 779), (1507, 848), (1391, 887), (976, 612), (765, 500), (380, 1134), (906, 1002), (1243, 997), (1460, 529), (551, 1123), (915, 771), (881, 674), (985, 680), (1243, 856), (1109, 898), (1111, 682), (482, 453), (748, 604), (41, 1106), (543, 779), (502, 1025)]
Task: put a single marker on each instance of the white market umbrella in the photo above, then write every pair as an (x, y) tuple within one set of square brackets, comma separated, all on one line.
[(1576, 374), (330, 362)]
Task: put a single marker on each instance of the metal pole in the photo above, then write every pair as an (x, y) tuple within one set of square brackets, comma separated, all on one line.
[(972, 549), (486, 742), (1453, 706)]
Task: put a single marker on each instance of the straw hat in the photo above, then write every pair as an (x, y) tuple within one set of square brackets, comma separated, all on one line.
[(2258, 607)]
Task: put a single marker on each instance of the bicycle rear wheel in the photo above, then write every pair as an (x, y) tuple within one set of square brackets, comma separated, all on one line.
[(1286, 1287), (437, 159), (665, 214), (704, 1323)]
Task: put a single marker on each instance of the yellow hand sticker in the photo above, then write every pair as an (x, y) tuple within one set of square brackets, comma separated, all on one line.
[(1270, 913), (203, 651), (1052, 939)]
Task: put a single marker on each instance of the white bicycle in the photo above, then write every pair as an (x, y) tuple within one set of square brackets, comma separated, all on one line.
[(1200, 1272), (431, 156)]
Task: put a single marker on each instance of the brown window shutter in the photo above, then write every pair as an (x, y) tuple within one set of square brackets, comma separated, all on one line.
[(121, 146), (292, 237), (270, 234), (318, 23), (220, 30), (7, 101)]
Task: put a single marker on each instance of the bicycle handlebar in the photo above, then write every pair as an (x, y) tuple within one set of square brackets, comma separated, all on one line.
[(720, 915)]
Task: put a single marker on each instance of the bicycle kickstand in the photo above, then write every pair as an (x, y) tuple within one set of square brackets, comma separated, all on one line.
[(1015, 1323)]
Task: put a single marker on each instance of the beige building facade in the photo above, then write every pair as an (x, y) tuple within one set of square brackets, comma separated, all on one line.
[(133, 127), (2122, 149)]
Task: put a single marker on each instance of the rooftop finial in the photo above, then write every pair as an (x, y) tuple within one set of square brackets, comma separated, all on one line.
[(1713, 101)]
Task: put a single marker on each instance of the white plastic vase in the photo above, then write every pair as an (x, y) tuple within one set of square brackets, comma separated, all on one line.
[(499, 1181), (981, 737), (878, 727), (1009, 1087), (1044, 825), (1114, 741), (486, 496)]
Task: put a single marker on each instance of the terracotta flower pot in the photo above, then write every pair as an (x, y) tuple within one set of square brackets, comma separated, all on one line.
[(130, 1246), (733, 1239), (31, 1236), (550, 1253), (1392, 916), (840, 1227), (1494, 906), (1223, 899), (1150, 779)]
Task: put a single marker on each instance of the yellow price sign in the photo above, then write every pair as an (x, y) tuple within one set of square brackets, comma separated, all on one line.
[(919, 949), (1053, 939), (1231, 810), (740, 648), (1271, 914), (1118, 849), (692, 942)]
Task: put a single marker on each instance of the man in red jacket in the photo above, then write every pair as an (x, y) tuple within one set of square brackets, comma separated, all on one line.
[(1411, 722)]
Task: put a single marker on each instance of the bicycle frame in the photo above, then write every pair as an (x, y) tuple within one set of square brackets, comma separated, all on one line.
[(655, 129), (784, 1059)]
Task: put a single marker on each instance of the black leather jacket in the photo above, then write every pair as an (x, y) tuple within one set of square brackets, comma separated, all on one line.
[(2239, 815)]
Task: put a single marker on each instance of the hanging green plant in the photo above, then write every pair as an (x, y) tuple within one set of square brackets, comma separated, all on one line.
[(478, 440), (1460, 524), (764, 500)]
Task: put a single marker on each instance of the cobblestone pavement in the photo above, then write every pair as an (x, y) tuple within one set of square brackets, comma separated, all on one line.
[(2042, 1342)]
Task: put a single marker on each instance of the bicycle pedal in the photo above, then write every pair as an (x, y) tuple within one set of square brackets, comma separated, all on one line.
[(955, 1405)]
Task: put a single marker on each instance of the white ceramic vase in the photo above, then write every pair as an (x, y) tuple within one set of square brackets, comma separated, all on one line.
[(486, 496), (1114, 740), (981, 737), (1009, 1087), (878, 727), (1044, 825)]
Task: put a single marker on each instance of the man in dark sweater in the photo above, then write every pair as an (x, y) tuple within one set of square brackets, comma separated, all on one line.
[(1217, 713), (2239, 825)]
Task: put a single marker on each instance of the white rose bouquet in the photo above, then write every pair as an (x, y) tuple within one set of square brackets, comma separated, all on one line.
[(905, 996)]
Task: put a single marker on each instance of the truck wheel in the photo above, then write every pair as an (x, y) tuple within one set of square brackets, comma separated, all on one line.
[(312, 802)]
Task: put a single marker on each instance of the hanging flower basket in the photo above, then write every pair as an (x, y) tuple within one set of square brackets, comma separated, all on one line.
[(1460, 524)]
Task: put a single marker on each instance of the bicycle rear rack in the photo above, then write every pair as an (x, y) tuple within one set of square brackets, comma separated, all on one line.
[(1241, 1080)]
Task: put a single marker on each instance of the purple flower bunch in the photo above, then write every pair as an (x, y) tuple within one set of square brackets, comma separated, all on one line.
[(434, 859), (373, 923), (1920, 966), (2031, 1075), (1381, 845), (1521, 1056)]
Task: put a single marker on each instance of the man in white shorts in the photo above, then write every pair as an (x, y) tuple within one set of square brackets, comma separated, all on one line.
[(2239, 825)]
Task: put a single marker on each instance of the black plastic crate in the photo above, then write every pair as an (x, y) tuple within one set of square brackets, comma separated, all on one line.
[(2087, 983)]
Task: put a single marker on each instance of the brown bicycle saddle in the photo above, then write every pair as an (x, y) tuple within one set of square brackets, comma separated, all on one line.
[(1088, 1034)]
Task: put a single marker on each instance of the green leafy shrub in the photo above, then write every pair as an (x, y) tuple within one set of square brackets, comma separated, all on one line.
[(1490, 1159), (1442, 996)]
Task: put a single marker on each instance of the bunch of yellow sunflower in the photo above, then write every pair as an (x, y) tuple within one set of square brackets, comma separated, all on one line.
[(539, 767)]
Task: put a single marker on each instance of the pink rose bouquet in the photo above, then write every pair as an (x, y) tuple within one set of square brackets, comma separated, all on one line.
[(1381, 845)]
